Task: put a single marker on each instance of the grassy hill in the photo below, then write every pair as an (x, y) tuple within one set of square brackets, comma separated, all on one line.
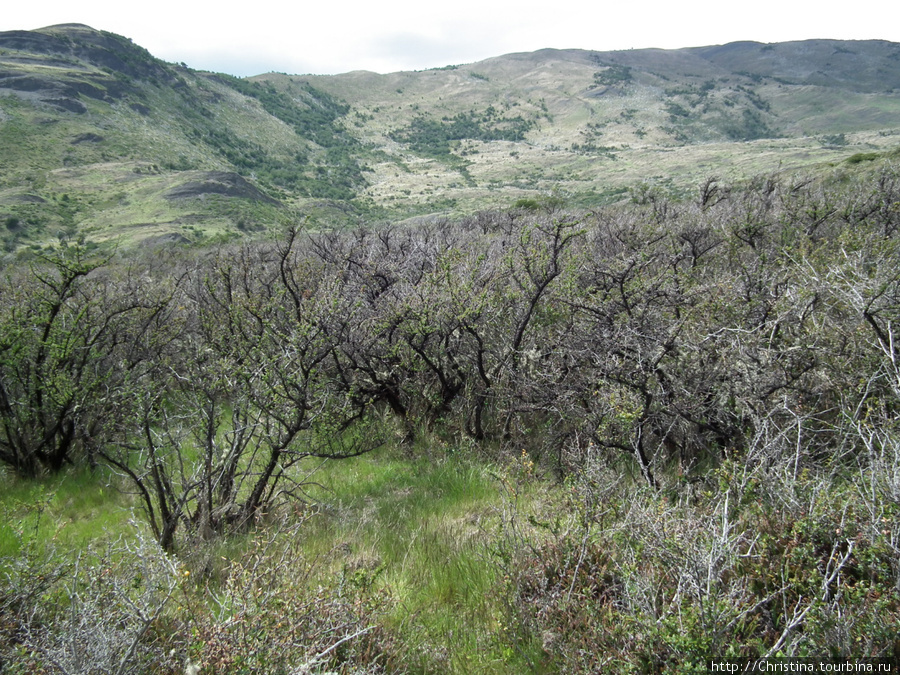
[(96, 134), (629, 420), (595, 123), (98, 137)]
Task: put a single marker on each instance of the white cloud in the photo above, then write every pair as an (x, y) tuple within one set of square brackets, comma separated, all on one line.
[(331, 37)]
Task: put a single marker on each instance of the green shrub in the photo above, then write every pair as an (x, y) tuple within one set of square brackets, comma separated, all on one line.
[(861, 157)]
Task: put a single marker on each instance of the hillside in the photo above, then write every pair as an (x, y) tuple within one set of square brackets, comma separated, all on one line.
[(635, 418), (100, 138), (591, 124)]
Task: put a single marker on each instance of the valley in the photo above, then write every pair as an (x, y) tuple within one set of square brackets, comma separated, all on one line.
[(94, 131)]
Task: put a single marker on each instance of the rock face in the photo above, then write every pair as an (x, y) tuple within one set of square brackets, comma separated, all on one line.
[(218, 183), (73, 43), (173, 238), (74, 60), (26, 199)]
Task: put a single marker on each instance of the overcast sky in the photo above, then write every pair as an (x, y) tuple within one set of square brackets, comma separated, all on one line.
[(335, 36)]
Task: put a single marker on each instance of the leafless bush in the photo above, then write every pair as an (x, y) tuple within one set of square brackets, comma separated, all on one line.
[(763, 557), (268, 615), (105, 612)]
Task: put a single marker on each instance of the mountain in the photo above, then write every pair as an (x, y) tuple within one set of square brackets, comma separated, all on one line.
[(591, 124), (98, 137)]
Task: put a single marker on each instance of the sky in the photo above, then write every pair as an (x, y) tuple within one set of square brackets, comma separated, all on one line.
[(336, 36)]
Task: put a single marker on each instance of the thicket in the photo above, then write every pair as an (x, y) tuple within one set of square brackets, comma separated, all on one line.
[(315, 119), (714, 381), (613, 75), (433, 138), (740, 114)]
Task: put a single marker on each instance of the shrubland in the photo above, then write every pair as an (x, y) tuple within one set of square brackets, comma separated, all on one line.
[(626, 439)]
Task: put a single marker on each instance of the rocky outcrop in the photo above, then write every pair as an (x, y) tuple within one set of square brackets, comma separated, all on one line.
[(78, 61), (219, 183)]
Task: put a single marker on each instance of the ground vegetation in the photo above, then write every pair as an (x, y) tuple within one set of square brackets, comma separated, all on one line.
[(537, 439)]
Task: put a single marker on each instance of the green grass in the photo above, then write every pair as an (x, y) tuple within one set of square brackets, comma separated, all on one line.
[(68, 511), (444, 552), (418, 529), (418, 532)]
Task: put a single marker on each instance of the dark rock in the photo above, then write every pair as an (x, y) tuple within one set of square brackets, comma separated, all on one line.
[(26, 199), (67, 104), (219, 183), (87, 138), (173, 238)]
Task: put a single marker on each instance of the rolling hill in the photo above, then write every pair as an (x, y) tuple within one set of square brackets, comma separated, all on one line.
[(98, 137)]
